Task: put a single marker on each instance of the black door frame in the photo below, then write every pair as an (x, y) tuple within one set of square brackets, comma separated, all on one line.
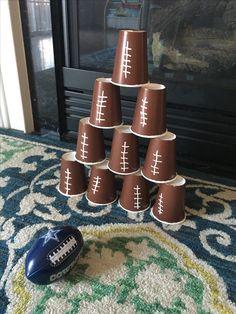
[(29, 63), (59, 60)]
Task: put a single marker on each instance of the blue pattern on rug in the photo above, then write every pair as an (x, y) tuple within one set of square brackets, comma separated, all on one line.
[(209, 230)]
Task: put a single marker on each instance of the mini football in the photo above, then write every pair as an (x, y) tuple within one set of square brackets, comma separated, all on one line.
[(53, 254)]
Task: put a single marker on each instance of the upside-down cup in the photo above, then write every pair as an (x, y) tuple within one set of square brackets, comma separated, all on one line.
[(134, 195), (106, 106), (90, 147), (72, 176), (170, 202), (124, 157), (130, 66), (101, 187), (150, 111), (160, 161)]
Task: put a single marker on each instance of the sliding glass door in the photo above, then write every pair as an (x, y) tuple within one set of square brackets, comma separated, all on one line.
[(36, 20)]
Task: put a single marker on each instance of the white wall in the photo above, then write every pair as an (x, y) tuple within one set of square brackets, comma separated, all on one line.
[(4, 116), (15, 94)]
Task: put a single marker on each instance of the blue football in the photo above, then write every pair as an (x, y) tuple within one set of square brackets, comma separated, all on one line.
[(53, 254)]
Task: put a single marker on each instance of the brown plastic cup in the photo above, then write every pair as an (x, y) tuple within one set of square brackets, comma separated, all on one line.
[(170, 202), (72, 176), (106, 106), (160, 161), (90, 147), (150, 111), (134, 195), (101, 188), (124, 157), (130, 66)]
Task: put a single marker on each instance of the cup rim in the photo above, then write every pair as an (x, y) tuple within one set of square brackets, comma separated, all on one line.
[(154, 86), (138, 173), (178, 181), (103, 79), (70, 195), (126, 127), (127, 85), (89, 163), (100, 204), (85, 120), (168, 136), (133, 211), (105, 127), (157, 181), (122, 173), (69, 156), (166, 222), (133, 30), (148, 136), (103, 165)]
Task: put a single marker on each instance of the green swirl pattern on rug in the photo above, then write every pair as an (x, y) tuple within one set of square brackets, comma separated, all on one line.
[(130, 263)]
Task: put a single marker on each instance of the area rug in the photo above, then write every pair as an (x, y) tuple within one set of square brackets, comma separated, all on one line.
[(130, 263)]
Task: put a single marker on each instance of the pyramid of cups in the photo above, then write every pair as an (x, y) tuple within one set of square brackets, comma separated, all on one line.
[(149, 121)]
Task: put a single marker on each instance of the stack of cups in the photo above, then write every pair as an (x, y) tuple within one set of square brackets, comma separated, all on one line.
[(90, 149), (149, 121), (130, 70), (160, 161), (105, 114)]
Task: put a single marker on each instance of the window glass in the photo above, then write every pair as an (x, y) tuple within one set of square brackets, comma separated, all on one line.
[(41, 46)]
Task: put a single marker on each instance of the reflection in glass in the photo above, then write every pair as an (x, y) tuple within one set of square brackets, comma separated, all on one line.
[(41, 44), (188, 40), (99, 25), (42, 50)]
